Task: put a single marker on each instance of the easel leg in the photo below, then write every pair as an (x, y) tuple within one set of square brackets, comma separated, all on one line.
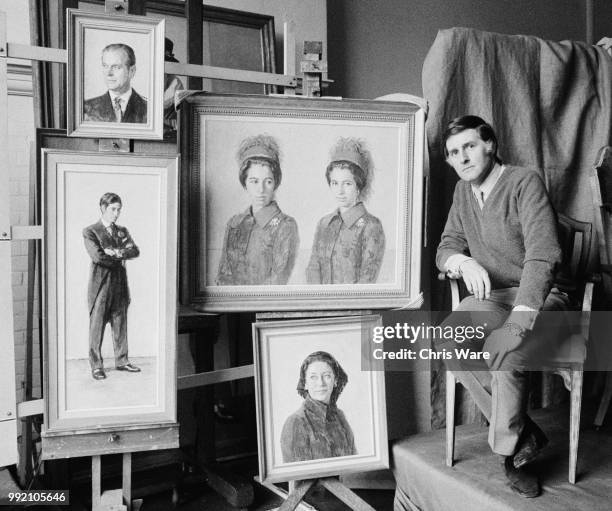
[(345, 495), (96, 481), (127, 480), (296, 496)]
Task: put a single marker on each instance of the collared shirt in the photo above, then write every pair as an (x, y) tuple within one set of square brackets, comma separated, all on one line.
[(483, 191), (316, 431), (258, 248), (348, 248), (124, 98)]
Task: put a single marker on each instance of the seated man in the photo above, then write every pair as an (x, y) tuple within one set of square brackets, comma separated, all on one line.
[(501, 238)]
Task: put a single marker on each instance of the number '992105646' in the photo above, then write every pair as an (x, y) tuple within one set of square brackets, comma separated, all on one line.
[(36, 498)]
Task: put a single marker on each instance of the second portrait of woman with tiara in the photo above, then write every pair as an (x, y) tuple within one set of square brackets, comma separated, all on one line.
[(349, 243), (261, 243)]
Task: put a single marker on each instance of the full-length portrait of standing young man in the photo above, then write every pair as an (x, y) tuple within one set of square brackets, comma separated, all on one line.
[(109, 246), (501, 239)]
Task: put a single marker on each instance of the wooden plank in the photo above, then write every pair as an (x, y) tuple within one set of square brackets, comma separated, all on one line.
[(296, 496), (96, 482), (352, 500), (225, 73), (302, 506), (27, 232), (289, 54), (29, 408), (127, 480), (74, 444), (8, 442), (8, 407), (195, 40), (265, 316), (212, 377), (5, 225), (25, 51)]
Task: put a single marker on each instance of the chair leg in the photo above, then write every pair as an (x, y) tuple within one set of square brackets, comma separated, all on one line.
[(450, 417), (575, 405), (605, 401)]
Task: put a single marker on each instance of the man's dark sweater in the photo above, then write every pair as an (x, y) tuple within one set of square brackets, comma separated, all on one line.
[(514, 237)]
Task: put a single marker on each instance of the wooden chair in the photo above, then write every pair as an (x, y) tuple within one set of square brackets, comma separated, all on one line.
[(601, 188), (572, 278)]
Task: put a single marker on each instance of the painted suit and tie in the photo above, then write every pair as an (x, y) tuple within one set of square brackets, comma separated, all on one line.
[(102, 109), (108, 294)]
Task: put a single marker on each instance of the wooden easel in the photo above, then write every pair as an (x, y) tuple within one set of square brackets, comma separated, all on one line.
[(298, 489), (312, 66), (8, 233)]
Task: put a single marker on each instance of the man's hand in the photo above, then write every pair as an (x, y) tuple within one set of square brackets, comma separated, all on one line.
[(606, 44), (476, 279), (109, 252), (501, 342)]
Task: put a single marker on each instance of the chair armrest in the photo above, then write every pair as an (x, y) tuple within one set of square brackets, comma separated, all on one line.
[(445, 276), (454, 288)]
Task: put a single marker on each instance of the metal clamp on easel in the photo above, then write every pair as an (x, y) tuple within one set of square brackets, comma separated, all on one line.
[(313, 67)]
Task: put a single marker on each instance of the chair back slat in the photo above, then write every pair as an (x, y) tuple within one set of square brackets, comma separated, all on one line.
[(601, 188), (575, 241)]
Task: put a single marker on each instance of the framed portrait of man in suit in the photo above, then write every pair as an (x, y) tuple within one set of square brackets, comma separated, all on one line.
[(115, 75), (110, 290)]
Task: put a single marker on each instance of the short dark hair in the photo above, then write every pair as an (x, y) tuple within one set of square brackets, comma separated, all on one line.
[(109, 198), (129, 52), (339, 374), (471, 122)]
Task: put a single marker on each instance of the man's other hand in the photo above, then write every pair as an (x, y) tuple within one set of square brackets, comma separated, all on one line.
[(499, 343), (606, 44), (476, 279), (109, 252)]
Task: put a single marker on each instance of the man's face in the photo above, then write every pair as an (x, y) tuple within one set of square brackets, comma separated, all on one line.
[(116, 71), (111, 212), (470, 156)]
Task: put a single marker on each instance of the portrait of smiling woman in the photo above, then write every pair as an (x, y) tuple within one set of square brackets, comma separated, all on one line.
[(261, 243), (318, 429), (349, 243)]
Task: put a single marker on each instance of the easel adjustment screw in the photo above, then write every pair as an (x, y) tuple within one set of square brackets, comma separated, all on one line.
[(118, 7)]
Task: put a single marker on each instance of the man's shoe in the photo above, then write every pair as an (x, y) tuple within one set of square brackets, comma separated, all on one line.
[(98, 374), (521, 481), (129, 367), (534, 440)]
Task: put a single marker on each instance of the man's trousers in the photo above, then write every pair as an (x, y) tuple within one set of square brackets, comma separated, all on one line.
[(501, 395)]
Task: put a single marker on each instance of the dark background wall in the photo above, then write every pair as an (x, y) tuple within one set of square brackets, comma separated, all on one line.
[(376, 47)]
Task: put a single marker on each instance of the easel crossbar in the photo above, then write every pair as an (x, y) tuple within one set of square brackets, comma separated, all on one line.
[(24, 51)]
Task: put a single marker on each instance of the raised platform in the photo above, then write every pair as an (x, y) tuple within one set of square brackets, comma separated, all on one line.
[(476, 482)]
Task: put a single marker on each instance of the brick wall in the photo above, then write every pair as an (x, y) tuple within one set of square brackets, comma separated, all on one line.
[(20, 136)]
